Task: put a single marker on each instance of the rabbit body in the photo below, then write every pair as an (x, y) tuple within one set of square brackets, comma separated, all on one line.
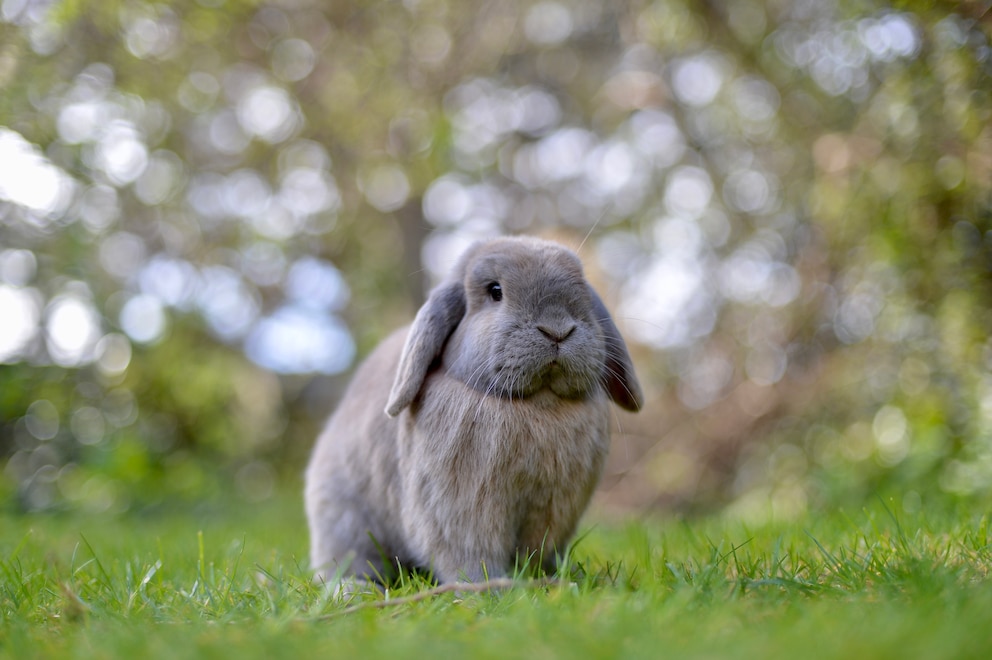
[(494, 432)]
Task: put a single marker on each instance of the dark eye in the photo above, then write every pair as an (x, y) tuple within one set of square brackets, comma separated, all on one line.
[(495, 291)]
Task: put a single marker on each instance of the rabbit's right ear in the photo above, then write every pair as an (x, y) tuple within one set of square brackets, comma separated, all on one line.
[(434, 323)]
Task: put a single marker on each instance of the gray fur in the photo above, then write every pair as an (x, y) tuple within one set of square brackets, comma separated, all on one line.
[(494, 432)]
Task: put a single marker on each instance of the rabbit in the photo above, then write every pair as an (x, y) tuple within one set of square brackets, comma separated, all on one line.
[(475, 437)]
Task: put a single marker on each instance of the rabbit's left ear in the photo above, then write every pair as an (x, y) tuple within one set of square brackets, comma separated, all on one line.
[(434, 323), (618, 375)]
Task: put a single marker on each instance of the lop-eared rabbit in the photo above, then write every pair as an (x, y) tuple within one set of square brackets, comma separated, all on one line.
[(475, 437)]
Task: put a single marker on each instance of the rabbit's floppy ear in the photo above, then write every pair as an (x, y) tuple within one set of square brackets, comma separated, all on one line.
[(618, 376), (431, 328)]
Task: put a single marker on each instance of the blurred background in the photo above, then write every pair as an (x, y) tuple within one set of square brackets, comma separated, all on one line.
[(211, 209)]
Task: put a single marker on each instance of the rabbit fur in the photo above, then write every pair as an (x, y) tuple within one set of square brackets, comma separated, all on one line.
[(476, 436)]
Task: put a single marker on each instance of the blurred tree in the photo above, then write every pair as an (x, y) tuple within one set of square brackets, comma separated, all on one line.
[(209, 208)]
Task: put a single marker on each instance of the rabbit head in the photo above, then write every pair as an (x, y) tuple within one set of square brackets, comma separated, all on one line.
[(515, 318)]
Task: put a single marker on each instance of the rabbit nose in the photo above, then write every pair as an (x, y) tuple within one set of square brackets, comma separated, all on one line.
[(556, 332)]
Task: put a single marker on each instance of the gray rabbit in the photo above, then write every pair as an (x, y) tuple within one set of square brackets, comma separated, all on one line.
[(491, 440)]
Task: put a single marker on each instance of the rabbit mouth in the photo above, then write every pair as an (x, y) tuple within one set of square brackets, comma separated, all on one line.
[(555, 377)]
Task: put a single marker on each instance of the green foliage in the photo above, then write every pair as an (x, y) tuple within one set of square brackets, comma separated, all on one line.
[(223, 581), (209, 209)]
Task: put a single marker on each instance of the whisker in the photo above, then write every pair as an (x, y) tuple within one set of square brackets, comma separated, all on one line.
[(593, 228)]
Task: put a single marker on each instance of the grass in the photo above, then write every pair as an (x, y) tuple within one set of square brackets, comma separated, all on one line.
[(233, 582)]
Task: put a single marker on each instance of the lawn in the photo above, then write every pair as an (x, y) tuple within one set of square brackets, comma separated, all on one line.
[(231, 581)]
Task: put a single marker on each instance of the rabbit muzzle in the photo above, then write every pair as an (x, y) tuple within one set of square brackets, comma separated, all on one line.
[(555, 359)]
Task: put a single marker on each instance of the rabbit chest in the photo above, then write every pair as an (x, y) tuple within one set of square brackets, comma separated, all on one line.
[(514, 475)]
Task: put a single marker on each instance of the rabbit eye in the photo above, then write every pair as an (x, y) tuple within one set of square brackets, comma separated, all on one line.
[(495, 291)]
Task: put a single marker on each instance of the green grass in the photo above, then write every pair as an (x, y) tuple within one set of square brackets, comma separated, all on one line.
[(233, 582)]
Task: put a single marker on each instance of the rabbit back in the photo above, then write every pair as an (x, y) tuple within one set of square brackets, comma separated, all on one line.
[(352, 488)]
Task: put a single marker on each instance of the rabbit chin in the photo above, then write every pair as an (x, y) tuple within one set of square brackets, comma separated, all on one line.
[(555, 378), (565, 383)]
